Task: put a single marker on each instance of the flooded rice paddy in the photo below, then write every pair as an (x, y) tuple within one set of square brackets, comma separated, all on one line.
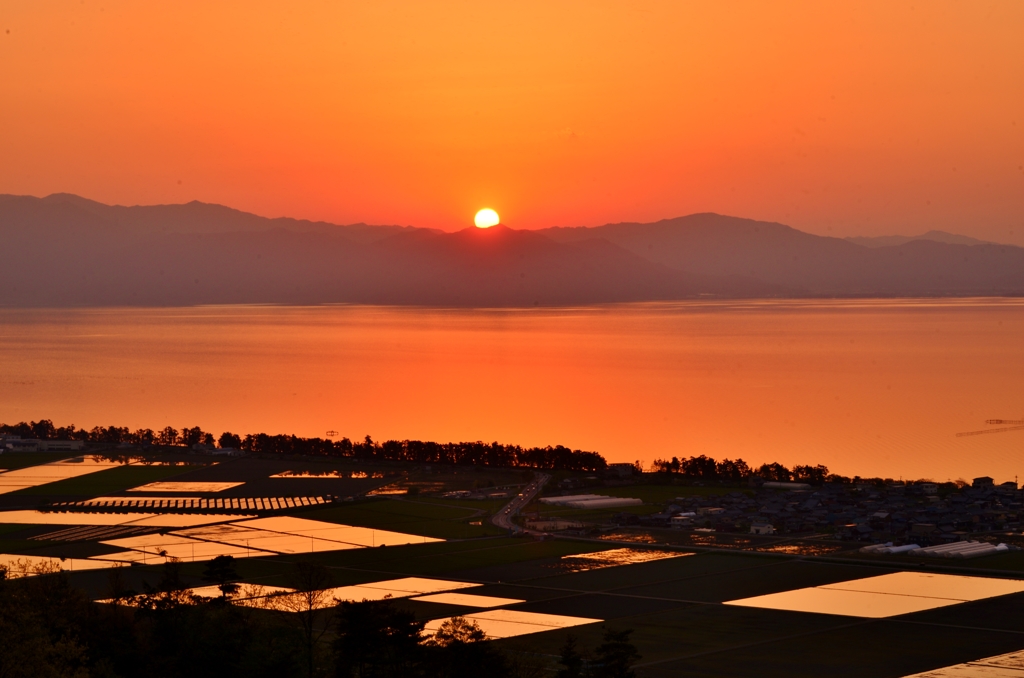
[(467, 600), (887, 595), (509, 623), (599, 560), (33, 476), (865, 387), (177, 486)]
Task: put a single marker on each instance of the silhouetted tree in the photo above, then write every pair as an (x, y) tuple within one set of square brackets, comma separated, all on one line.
[(43, 429), (195, 436), (571, 660), (733, 470), (458, 650), (701, 467), (614, 656), (463, 453), (144, 436), (774, 471), (376, 639), (167, 436), (229, 440), (810, 474), (221, 571), (308, 606), (40, 627)]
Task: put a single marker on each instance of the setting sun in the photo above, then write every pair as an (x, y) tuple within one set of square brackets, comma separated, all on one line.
[(486, 218)]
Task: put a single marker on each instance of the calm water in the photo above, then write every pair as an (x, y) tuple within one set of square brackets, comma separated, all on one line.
[(870, 388)]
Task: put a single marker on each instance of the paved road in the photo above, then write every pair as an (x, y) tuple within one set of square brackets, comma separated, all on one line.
[(503, 518)]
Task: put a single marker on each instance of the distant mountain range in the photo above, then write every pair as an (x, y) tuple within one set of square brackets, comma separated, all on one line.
[(64, 250), (936, 236)]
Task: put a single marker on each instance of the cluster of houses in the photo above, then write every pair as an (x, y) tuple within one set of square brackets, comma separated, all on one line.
[(9, 443), (923, 513)]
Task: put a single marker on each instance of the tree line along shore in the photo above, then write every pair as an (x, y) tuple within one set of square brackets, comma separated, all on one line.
[(462, 453), (559, 458)]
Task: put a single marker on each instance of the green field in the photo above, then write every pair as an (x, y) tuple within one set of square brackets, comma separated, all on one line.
[(664, 494), (655, 498), (488, 506), (674, 605), (673, 608), (589, 515), (411, 516), (469, 478), (356, 566), (104, 482)]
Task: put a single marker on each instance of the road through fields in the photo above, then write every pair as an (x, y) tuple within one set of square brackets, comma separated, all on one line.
[(503, 518)]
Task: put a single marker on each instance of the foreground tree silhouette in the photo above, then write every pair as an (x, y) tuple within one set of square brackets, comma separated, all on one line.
[(615, 655), (459, 650), (376, 639), (39, 629), (571, 660), (309, 604)]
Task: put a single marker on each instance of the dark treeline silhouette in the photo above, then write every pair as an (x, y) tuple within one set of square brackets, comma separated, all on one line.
[(463, 453), (611, 659), (50, 628), (727, 470)]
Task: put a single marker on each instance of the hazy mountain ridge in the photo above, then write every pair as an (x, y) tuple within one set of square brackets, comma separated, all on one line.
[(70, 255), (811, 264), (68, 210), (67, 251), (933, 235)]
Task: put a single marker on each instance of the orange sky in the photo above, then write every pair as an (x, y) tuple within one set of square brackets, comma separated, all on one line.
[(853, 118)]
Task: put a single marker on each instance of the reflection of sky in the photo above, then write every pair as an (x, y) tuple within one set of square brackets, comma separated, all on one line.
[(381, 590), (263, 537), (467, 599), (1009, 665), (182, 486), (213, 535), (136, 519), (867, 387), (183, 548), (20, 479), (246, 537), (886, 595), (509, 623), (583, 562), (20, 565), (344, 534)]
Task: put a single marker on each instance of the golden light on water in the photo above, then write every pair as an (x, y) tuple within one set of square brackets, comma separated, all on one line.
[(486, 218), (582, 562), (885, 595)]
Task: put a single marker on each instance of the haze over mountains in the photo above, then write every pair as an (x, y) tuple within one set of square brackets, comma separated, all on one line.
[(63, 250)]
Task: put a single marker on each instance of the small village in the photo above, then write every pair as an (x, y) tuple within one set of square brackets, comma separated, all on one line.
[(886, 512)]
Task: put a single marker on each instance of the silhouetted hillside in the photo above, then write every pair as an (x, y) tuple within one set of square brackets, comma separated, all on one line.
[(63, 211), (67, 251), (810, 264), (936, 236), (71, 252)]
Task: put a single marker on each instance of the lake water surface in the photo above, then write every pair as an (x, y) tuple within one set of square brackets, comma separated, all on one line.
[(864, 387)]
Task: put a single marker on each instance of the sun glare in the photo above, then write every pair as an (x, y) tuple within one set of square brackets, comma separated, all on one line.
[(486, 218)]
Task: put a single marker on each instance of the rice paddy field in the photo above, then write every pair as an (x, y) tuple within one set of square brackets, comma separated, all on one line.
[(711, 608)]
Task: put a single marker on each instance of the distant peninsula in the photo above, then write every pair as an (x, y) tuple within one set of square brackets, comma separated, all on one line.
[(67, 251)]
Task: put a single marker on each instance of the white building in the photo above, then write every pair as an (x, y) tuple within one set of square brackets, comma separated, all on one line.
[(16, 444), (682, 520)]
